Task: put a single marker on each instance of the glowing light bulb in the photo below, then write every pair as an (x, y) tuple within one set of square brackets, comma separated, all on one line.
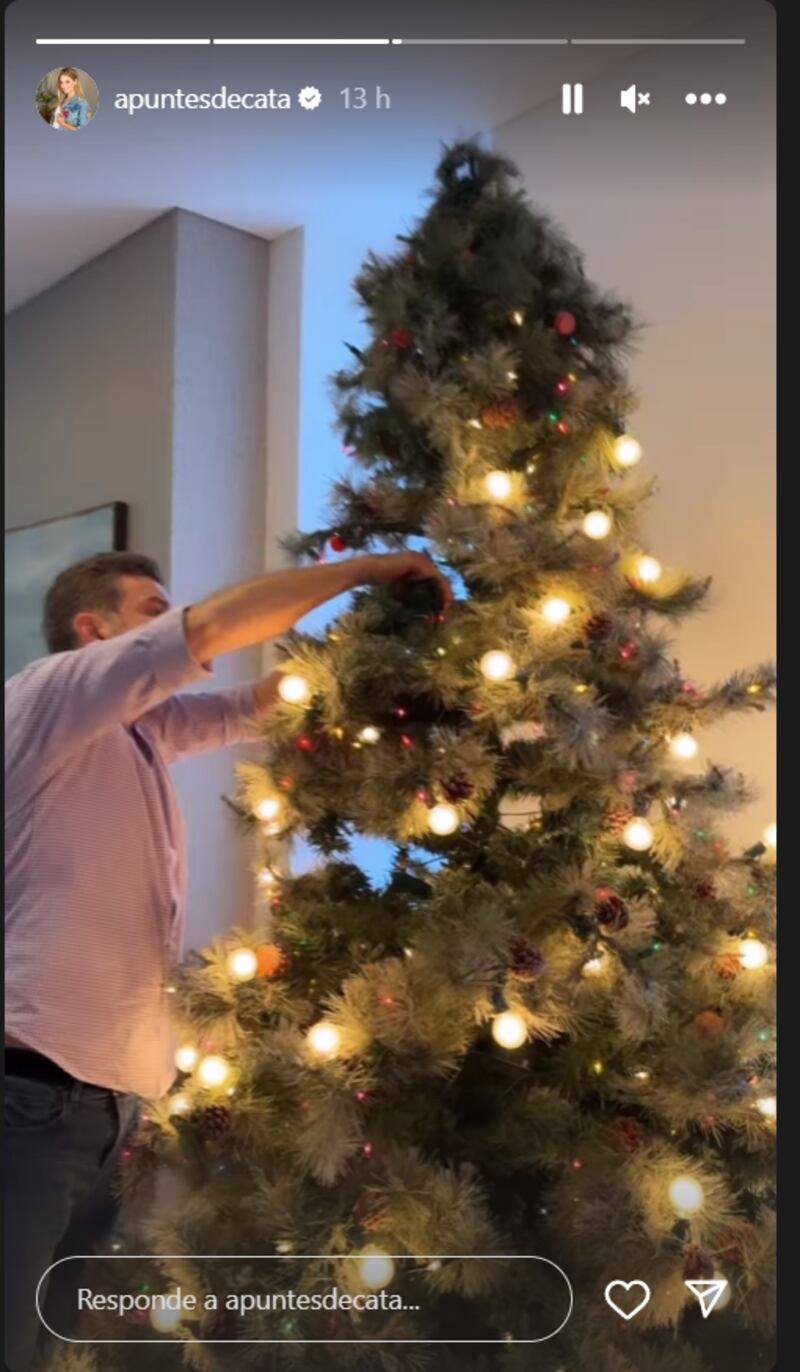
[(324, 1039), (443, 819), (242, 963), (517, 317), (637, 835), (509, 1029), (597, 524), (556, 610), (497, 666), (376, 1267), (369, 734), (684, 745), (770, 835), (768, 1107), (724, 1299), (179, 1103), (268, 809), (627, 451), (186, 1057), (213, 1070), (166, 1320), (266, 877), (594, 966), (686, 1196), (648, 569), (499, 485), (293, 689), (753, 954)]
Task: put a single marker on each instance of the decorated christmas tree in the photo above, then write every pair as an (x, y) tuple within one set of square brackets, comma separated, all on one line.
[(549, 1031)]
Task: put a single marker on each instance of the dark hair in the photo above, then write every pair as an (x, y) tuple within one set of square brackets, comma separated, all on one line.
[(93, 584)]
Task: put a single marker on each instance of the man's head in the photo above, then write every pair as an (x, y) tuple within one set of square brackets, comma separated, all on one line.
[(101, 597)]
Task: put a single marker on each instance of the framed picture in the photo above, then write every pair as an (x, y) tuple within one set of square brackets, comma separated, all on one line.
[(35, 554)]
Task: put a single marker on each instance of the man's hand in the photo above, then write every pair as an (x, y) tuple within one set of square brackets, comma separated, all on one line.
[(383, 568)]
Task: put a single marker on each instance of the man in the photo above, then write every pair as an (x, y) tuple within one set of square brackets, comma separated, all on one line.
[(95, 874)]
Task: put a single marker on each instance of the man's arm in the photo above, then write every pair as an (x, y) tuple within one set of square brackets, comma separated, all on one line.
[(187, 724), (271, 604)]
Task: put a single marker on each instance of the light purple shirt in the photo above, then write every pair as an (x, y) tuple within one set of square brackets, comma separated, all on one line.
[(95, 847)]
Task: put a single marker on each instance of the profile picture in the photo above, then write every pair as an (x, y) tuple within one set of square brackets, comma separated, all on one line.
[(67, 99)]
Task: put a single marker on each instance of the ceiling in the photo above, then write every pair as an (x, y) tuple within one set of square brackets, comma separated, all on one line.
[(70, 198)]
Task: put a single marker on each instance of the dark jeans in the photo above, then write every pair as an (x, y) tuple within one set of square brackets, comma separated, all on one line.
[(61, 1149)]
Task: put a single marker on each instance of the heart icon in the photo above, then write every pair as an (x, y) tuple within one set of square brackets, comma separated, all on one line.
[(627, 1286)]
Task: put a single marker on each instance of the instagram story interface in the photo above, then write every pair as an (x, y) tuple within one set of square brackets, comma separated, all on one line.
[(391, 844)]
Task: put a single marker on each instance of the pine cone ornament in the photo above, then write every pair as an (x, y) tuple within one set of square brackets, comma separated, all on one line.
[(598, 628), (525, 962), (697, 1264), (611, 911), (617, 818), (212, 1122), (458, 787), (627, 1135), (501, 415)]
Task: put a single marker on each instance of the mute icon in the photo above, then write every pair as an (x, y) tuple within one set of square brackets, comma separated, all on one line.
[(631, 99)]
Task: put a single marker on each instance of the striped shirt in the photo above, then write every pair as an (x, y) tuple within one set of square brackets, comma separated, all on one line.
[(95, 847)]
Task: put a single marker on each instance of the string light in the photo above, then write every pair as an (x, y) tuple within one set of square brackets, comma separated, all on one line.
[(768, 1107), (266, 877), (369, 734), (166, 1319), (686, 1196), (186, 1057), (598, 1068), (517, 317), (268, 809), (376, 1267), (638, 835), (595, 965), (641, 1074), (179, 1103), (597, 524), (293, 689), (753, 954), (242, 964), (648, 569), (213, 1070), (627, 450), (509, 1029), (497, 665), (684, 745), (556, 610), (443, 819), (770, 835), (324, 1039), (499, 485)]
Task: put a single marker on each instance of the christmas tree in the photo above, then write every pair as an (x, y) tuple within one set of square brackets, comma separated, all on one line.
[(550, 1030)]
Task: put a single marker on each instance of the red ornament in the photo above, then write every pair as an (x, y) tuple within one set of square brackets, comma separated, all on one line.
[(424, 796), (270, 959), (628, 651), (407, 741), (565, 323), (627, 1135), (400, 338), (337, 543), (697, 1264), (502, 415), (564, 386), (399, 712), (577, 1165), (361, 1096), (564, 427), (367, 1150), (305, 744), (286, 784), (708, 1024)]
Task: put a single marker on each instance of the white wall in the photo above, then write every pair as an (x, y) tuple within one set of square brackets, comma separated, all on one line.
[(142, 377), (680, 221)]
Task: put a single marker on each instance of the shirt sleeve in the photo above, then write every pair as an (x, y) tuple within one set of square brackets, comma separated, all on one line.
[(82, 113), (189, 724), (63, 701)]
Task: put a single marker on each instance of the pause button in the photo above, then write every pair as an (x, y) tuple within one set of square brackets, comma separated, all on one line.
[(572, 98)]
